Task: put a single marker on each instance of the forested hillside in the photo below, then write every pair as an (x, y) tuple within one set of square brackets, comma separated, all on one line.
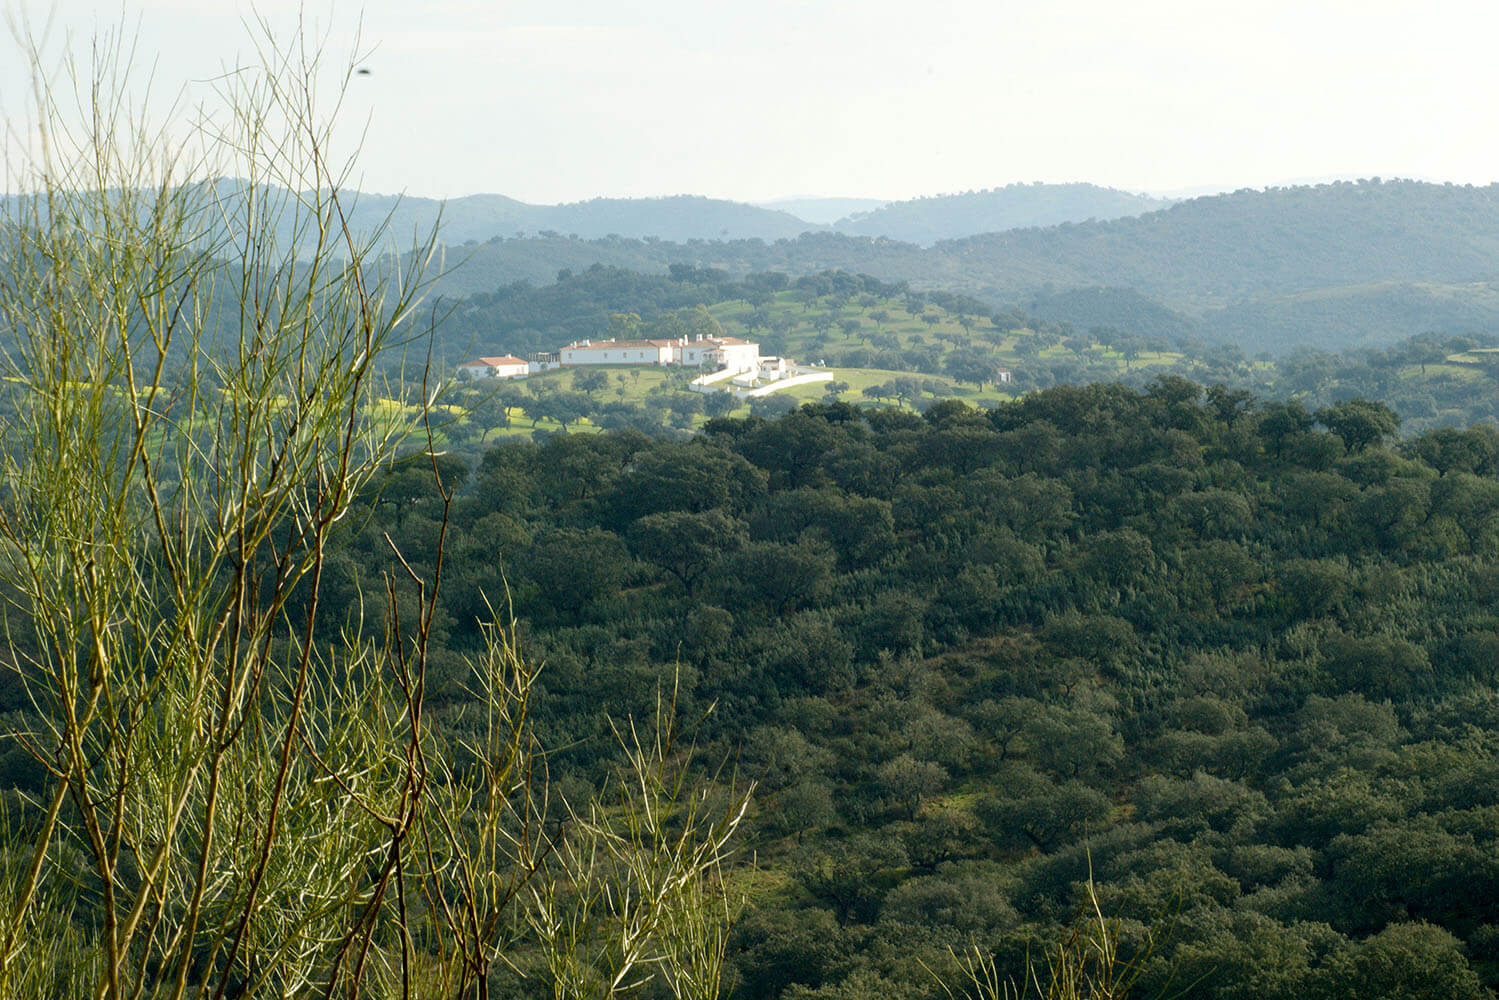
[(1113, 598), (1119, 308), (1210, 251), (874, 334), (538, 260), (1236, 658), (1333, 266), (483, 217), (1355, 316)]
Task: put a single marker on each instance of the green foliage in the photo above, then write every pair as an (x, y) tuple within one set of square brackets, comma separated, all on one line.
[(1237, 653), (234, 788), (1092, 960), (1189, 633)]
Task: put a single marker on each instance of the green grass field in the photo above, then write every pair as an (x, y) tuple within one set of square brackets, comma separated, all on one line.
[(637, 386), (809, 331)]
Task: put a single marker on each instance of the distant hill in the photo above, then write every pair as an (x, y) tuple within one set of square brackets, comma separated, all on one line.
[(683, 218), (483, 217), (1331, 266), (823, 211), (686, 218), (678, 218), (486, 216), (488, 266), (1344, 317), (1356, 316), (479, 218), (1015, 206), (1122, 308), (1213, 252)]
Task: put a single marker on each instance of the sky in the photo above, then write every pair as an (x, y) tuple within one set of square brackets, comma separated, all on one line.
[(566, 100)]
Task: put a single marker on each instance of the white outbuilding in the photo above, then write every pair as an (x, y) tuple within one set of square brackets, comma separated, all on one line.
[(506, 367)]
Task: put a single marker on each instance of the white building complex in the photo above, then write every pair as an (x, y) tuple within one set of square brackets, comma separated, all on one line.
[(711, 352), (720, 359)]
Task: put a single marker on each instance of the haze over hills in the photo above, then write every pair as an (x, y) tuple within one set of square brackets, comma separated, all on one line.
[(1015, 206), (823, 211), (681, 218), (1335, 265), (1212, 252), (950, 216)]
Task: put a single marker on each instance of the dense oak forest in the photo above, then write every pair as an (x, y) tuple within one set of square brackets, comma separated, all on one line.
[(1235, 658)]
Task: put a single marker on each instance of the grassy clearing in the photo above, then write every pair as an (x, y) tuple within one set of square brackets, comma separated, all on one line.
[(822, 330)]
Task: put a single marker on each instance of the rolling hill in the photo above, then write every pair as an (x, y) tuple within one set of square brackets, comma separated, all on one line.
[(684, 218), (1328, 266), (1331, 266), (823, 211), (1015, 206), (486, 216)]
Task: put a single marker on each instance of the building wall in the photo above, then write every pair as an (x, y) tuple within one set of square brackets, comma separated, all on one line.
[(694, 355), (493, 371), (715, 353), (786, 383), (742, 357), (616, 355)]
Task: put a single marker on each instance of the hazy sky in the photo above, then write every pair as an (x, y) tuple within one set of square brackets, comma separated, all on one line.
[(570, 99)]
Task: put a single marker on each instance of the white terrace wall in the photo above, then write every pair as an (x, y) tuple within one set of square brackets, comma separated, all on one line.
[(786, 383)]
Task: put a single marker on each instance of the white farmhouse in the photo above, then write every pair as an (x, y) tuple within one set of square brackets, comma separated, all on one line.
[(506, 367), (618, 352), (719, 353)]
